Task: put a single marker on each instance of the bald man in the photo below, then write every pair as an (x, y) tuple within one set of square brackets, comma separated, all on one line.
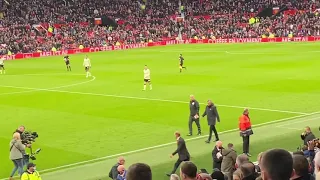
[(121, 172), (194, 115), (113, 174), (217, 155)]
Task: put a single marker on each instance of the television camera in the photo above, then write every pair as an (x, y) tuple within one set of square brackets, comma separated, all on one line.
[(29, 137)]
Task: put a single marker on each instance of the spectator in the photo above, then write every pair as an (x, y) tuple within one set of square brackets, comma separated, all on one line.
[(217, 156), (307, 136), (317, 165), (298, 153), (276, 164), (300, 168), (237, 175), (204, 176), (257, 166), (113, 174), (228, 161), (122, 173), (174, 177), (248, 171), (139, 171), (217, 175), (188, 171), (242, 158)]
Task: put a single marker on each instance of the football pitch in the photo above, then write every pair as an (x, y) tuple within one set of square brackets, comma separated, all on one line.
[(84, 124)]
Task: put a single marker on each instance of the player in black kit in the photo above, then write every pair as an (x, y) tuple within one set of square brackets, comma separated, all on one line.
[(181, 59), (67, 61)]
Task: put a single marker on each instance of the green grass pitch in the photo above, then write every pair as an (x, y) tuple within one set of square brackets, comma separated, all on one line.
[(94, 120)]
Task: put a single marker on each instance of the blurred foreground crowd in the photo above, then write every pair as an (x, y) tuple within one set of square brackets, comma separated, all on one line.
[(34, 25), (273, 164)]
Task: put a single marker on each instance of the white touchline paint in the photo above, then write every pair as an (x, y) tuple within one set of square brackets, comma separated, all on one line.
[(281, 127), (58, 87), (163, 145), (287, 125), (152, 99)]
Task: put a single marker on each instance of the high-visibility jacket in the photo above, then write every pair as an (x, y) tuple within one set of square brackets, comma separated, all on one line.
[(31, 176), (244, 122)]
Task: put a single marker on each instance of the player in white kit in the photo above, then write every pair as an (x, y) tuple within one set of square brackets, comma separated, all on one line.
[(146, 79), (87, 65), (2, 70)]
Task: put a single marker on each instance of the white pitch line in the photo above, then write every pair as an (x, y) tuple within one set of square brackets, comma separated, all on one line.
[(297, 122), (288, 128), (58, 87), (153, 99), (163, 145), (288, 124)]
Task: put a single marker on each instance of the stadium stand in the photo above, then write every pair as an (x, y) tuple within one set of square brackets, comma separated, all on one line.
[(29, 26)]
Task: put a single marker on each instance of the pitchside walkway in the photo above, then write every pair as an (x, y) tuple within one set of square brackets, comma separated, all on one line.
[(160, 154)]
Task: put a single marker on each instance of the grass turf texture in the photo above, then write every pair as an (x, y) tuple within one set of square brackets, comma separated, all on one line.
[(80, 119)]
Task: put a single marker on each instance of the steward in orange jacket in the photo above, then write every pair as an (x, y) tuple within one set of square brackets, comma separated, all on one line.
[(245, 130)]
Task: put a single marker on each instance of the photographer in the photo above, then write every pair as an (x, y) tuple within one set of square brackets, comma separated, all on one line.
[(307, 136), (17, 152)]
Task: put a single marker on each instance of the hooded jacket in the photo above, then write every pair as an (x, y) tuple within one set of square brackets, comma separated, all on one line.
[(228, 160)]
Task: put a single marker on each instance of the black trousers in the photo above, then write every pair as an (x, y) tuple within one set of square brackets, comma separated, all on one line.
[(177, 164), (246, 143), (197, 121), (213, 128)]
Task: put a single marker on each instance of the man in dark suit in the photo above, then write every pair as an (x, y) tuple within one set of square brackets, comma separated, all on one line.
[(212, 116), (182, 151), (217, 155), (194, 115)]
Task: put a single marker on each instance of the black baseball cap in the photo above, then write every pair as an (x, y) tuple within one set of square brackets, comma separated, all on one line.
[(30, 165)]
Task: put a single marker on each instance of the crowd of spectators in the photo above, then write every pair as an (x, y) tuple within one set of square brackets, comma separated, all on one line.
[(24, 24), (273, 164)]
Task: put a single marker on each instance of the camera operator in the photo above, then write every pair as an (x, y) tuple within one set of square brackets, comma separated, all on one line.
[(307, 136), (20, 130), (17, 152)]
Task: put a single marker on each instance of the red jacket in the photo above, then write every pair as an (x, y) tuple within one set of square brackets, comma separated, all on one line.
[(244, 122)]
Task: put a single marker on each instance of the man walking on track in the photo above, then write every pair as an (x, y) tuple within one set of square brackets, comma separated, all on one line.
[(245, 130), (182, 151), (212, 116), (194, 115)]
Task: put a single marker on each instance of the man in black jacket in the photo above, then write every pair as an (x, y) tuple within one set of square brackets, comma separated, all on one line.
[(307, 136), (182, 151), (217, 155), (113, 174), (212, 116), (194, 115)]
